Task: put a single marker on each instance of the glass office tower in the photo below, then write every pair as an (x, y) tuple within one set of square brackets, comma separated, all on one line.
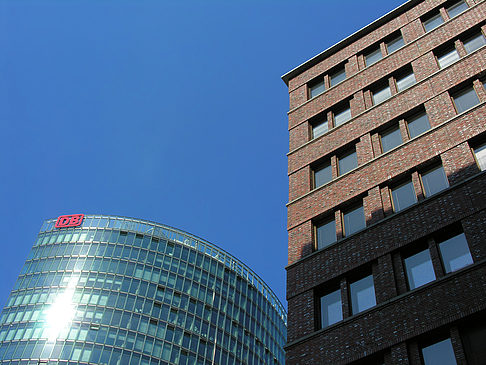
[(117, 290)]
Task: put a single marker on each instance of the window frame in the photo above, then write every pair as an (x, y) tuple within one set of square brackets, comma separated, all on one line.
[(455, 5), (482, 147), (313, 83), (376, 49), (429, 170), (348, 210), (327, 294), (319, 167), (397, 186), (410, 254), (320, 223), (393, 38), (344, 154), (414, 117), (461, 92), (387, 132), (352, 305), (429, 17)]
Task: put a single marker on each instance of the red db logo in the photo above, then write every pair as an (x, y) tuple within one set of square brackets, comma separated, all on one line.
[(72, 220)]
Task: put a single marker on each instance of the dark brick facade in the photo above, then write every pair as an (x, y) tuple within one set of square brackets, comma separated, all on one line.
[(403, 320)]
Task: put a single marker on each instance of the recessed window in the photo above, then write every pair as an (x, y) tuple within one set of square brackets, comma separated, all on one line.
[(337, 77), (432, 22), (341, 116), (331, 308), (447, 57), (395, 44), (419, 269), (403, 196), (473, 336), (455, 253), (381, 94), (418, 124), (390, 139), (322, 174), (405, 81), (456, 9), (325, 233), (480, 154), (434, 180), (319, 127), (439, 353), (317, 87), (354, 220), (362, 294), (465, 99), (474, 42), (347, 161), (373, 56)]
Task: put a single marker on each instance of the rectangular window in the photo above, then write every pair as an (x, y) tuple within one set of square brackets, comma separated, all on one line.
[(403, 196), (465, 99), (419, 269), (373, 56), (456, 9), (341, 116), (434, 180), (480, 154), (439, 353), (325, 233), (432, 22), (331, 308), (418, 124), (405, 81), (447, 57), (353, 220), (381, 95), (455, 253), (395, 44), (391, 139), (347, 162), (322, 175), (319, 128), (473, 336), (317, 87), (337, 77), (362, 294), (474, 42)]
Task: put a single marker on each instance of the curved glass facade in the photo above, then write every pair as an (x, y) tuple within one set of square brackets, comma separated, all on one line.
[(125, 291)]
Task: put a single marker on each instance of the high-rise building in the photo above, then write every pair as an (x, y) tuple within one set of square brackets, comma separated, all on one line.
[(386, 213), (114, 290)]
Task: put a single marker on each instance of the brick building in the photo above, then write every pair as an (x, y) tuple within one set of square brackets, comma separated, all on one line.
[(386, 212)]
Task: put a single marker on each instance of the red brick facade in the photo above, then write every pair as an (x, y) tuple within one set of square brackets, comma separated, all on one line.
[(398, 326)]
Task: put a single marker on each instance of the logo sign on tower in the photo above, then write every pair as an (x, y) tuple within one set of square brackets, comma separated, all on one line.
[(72, 220)]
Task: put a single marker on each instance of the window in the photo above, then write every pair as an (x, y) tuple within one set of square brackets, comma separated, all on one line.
[(447, 57), (391, 139), (316, 87), (322, 174), (342, 115), (480, 154), (419, 269), (381, 94), (347, 162), (455, 253), (434, 180), (465, 99), (418, 124), (394, 44), (439, 353), (337, 77), (325, 233), (319, 127), (474, 42), (331, 308), (362, 294), (403, 196), (456, 9), (405, 81), (473, 336), (353, 220), (432, 22), (373, 56)]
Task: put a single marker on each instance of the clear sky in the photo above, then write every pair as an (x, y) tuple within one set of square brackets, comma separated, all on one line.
[(171, 111)]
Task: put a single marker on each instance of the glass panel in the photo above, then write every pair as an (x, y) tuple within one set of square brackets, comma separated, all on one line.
[(434, 180), (455, 253), (322, 175), (391, 139), (317, 89), (319, 129), (480, 153), (440, 353), (405, 82), (419, 269), (373, 56), (331, 308), (433, 22), (347, 162), (456, 9), (473, 43), (447, 57), (465, 99), (381, 95), (337, 77), (403, 196), (326, 234), (418, 125), (395, 44), (354, 220), (342, 116), (362, 294)]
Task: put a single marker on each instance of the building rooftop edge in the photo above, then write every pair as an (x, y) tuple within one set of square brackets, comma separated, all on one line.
[(348, 40)]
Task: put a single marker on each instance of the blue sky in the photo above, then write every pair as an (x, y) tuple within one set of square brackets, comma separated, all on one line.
[(171, 111)]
